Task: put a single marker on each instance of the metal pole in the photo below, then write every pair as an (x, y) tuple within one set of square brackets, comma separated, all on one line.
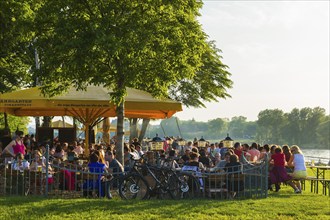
[(177, 123), (47, 164)]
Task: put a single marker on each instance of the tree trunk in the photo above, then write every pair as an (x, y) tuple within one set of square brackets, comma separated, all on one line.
[(143, 131), (5, 117), (37, 120), (46, 121), (120, 132), (106, 130), (133, 129)]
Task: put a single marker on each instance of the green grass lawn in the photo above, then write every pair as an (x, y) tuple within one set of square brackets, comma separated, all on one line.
[(281, 205)]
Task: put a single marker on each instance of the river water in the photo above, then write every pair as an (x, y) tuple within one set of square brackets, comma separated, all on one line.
[(317, 155)]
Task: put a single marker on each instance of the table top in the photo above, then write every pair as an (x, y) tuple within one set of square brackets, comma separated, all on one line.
[(320, 167)]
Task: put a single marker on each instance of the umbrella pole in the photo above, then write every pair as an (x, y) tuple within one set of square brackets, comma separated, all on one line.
[(86, 140)]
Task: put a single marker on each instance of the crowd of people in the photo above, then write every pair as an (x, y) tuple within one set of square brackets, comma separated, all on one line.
[(286, 164)]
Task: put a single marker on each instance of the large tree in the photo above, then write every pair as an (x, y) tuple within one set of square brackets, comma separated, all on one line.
[(149, 44), (119, 44)]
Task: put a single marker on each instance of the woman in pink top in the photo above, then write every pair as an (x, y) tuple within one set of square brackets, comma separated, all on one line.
[(16, 146), (279, 174)]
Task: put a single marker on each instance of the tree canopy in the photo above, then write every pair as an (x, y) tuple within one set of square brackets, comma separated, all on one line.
[(15, 39), (154, 45), (157, 46), (149, 44)]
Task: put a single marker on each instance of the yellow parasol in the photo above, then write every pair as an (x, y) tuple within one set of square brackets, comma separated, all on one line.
[(60, 123), (87, 106)]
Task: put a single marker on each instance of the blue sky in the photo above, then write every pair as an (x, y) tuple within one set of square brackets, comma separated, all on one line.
[(277, 52)]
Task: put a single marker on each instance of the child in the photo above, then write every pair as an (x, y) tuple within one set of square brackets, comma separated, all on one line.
[(20, 163)]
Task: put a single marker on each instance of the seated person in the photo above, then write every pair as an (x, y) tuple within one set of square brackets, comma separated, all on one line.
[(170, 162), (114, 164), (234, 167), (221, 165), (194, 161), (59, 152), (186, 157), (96, 167), (37, 163), (20, 163), (72, 156), (195, 166), (205, 160)]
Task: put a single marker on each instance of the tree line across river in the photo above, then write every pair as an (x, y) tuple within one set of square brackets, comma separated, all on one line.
[(306, 127)]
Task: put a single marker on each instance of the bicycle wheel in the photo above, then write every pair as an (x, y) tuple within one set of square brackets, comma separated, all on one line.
[(184, 186), (133, 186)]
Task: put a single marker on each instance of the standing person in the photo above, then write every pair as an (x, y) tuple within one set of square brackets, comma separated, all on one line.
[(298, 162), (16, 146)]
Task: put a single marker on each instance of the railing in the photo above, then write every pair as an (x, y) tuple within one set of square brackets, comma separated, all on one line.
[(74, 180)]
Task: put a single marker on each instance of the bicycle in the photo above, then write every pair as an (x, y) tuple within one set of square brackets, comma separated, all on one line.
[(167, 183), (183, 184), (135, 186)]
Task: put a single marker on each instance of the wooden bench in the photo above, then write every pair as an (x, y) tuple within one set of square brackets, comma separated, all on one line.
[(312, 180), (326, 186), (324, 182)]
